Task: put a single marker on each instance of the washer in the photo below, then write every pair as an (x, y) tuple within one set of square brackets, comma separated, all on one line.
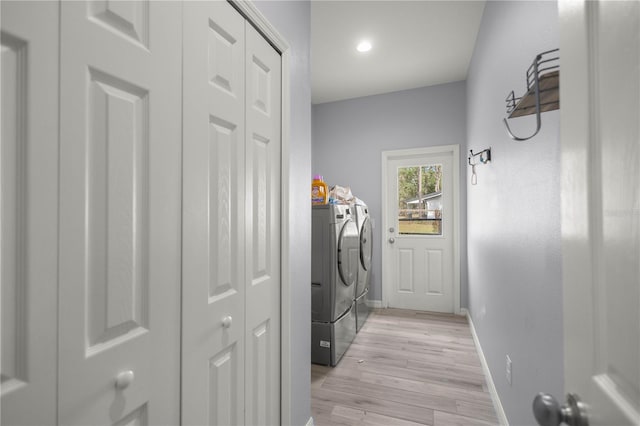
[(364, 265), (335, 252)]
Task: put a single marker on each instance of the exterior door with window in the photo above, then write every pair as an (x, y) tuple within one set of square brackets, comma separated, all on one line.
[(418, 247)]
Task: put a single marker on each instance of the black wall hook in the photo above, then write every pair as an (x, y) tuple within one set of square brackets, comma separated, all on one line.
[(482, 157), (485, 156)]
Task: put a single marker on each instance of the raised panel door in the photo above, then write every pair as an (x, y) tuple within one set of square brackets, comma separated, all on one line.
[(213, 297), (263, 283), (120, 196), (28, 211), (420, 233), (600, 142)]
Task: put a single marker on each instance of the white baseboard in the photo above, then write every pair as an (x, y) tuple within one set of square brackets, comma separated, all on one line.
[(497, 405), (310, 422), (374, 303)]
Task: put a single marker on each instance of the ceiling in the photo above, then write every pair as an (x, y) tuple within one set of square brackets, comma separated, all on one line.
[(415, 44)]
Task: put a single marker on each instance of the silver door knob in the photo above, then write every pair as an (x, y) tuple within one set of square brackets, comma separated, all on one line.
[(226, 321), (124, 379), (392, 240), (548, 411)]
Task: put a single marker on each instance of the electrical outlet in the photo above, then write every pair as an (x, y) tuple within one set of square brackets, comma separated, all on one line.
[(508, 372)]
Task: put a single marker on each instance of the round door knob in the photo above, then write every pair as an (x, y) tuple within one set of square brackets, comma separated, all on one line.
[(548, 411), (226, 321), (124, 379), (392, 240)]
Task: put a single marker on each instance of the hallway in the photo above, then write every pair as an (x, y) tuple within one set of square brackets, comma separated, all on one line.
[(405, 368)]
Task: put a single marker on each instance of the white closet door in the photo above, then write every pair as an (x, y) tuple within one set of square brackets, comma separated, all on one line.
[(28, 211), (263, 144), (120, 194), (214, 215)]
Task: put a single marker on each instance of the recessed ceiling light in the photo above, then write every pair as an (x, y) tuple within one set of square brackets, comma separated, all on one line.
[(364, 46)]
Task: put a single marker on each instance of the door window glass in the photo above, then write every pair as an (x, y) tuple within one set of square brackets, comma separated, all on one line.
[(420, 200)]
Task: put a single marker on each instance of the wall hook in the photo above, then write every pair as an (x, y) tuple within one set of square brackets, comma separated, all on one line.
[(483, 157)]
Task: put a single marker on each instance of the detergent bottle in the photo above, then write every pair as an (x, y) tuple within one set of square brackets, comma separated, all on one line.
[(319, 191)]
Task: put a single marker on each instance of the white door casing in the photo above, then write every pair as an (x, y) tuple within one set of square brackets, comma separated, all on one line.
[(214, 209), (600, 142), (231, 287), (29, 211), (421, 271), (119, 267)]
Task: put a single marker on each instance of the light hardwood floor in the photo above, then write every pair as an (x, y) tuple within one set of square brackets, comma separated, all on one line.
[(405, 368)]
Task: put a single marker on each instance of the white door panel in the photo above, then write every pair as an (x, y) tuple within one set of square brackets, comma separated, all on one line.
[(214, 209), (600, 139), (263, 145), (420, 273), (120, 212), (28, 211)]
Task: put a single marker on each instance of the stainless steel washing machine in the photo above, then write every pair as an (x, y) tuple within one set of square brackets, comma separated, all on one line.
[(335, 254), (363, 282)]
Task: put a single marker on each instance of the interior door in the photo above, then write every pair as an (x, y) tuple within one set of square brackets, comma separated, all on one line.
[(263, 282), (600, 92), (419, 246), (119, 267), (213, 295), (29, 211)]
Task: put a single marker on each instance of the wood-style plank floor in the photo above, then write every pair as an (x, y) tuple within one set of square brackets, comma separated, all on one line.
[(405, 368)]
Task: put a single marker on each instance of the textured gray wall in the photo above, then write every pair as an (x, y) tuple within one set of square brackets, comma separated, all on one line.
[(349, 136), (515, 286), (292, 20)]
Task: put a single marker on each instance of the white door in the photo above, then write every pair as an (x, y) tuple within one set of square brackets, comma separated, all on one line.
[(262, 283), (29, 211), (231, 259), (420, 229), (119, 268), (213, 295), (600, 137)]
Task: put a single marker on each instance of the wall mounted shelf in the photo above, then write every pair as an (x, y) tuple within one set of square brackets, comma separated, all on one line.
[(543, 91)]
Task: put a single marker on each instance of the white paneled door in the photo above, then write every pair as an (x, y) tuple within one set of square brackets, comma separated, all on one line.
[(419, 249), (214, 205), (600, 141), (263, 153), (140, 205), (231, 247), (120, 195), (29, 211)]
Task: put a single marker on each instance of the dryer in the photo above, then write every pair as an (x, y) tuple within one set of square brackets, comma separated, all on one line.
[(335, 251), (363, 281)]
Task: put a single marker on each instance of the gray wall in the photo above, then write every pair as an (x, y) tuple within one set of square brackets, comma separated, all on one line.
[(515, 286), (292, 20), (349, 137)]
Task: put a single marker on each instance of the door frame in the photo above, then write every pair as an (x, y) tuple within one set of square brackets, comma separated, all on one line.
[(415, 152), (269, 32)]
